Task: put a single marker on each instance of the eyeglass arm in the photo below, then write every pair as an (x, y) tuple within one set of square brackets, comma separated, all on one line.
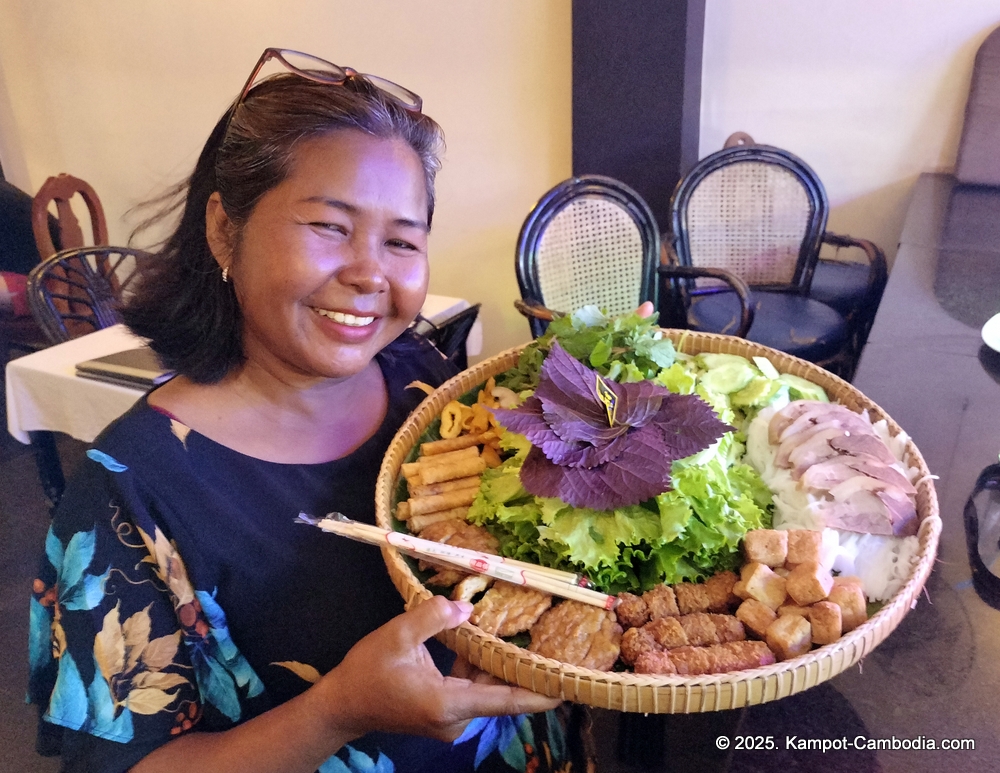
[(740, 287)]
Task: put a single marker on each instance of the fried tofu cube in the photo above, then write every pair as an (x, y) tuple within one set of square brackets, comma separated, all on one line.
[(789, 636), (740, 590), (803, 545), (793, 609), (782, 571), (809, 583), (826, 621), (848, 579), (756, 617), (765, 586), (719, 588), (853, 605), (766, 546)]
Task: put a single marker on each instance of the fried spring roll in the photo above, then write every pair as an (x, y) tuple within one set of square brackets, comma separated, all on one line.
[(403, 510), (472, 481), (438, 502), (461, 468), (418, 523), (437, 447), (412, 469)]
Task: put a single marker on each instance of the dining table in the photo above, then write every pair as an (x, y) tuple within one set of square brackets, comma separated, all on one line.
[(928, 697)]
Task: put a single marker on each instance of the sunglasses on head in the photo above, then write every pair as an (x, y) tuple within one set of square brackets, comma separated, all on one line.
[(315, 69)]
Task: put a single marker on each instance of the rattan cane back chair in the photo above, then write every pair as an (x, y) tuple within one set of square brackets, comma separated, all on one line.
[(589, 241), (759, 213), (853, 279), (78, 291)]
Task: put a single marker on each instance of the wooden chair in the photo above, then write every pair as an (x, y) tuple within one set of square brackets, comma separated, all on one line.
[(19, 333), (61, 189), (590, 240)]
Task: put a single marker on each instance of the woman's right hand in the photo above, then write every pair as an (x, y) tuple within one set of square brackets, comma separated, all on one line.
[(388, 682)]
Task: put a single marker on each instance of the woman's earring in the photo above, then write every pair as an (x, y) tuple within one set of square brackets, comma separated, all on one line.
[(225, 274)]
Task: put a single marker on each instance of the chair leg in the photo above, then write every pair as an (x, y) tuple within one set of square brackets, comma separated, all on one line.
[(49, 467)]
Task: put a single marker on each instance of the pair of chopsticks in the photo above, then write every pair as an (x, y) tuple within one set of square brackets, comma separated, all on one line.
[(542, 578)]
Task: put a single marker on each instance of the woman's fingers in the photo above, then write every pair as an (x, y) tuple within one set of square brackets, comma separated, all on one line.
[(427, 619), (645, 309), (410, 695), (468, 699)]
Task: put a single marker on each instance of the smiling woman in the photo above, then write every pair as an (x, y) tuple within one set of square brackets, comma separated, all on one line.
[(181, 618)]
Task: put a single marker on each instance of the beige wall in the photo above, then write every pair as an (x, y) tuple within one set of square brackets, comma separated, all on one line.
[(124, 93), (869, 93)]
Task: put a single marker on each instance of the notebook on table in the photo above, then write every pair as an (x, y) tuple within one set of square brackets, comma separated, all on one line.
[(137, 368)]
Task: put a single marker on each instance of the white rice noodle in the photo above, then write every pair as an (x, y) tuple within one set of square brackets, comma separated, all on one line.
[(882, 563)]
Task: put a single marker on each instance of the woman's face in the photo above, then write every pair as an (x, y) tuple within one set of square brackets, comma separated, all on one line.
[(331, 266)]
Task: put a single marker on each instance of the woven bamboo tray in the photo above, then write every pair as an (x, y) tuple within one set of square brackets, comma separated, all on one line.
[(650, 693)]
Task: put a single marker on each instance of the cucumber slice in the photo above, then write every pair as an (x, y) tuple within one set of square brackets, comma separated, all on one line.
[(801, 389), (710, 360), (757, 393), (729, 377), (766, 367)]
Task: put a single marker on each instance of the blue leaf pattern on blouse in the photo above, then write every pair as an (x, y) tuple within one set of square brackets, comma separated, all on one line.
[(227, 653), (497, 733), (39, 636), (109, 463)]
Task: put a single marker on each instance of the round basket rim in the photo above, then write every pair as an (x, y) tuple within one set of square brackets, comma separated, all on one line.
[(654, 693)]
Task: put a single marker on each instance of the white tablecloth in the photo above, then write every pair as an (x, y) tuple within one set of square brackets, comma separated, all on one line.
[(44, 392)]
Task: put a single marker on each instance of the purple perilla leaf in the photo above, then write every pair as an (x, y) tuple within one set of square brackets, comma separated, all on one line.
[(590, 456)]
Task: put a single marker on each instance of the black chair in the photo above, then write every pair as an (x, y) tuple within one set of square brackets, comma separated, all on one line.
[(72, 293), (450, 336), (78, 291), (591, 240), (852, 287), (759, 212)]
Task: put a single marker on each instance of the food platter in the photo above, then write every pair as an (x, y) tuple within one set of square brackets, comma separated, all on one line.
[(659, 693)]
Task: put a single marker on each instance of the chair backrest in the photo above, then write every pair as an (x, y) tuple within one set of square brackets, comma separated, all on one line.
[(60, 190), (78, 291), (978, 162), (589, 240), (754, 210)]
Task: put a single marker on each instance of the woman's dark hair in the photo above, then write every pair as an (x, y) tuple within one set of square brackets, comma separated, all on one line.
[(180, 303)]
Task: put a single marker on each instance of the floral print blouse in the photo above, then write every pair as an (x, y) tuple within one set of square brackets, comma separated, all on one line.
[(178, 594)]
